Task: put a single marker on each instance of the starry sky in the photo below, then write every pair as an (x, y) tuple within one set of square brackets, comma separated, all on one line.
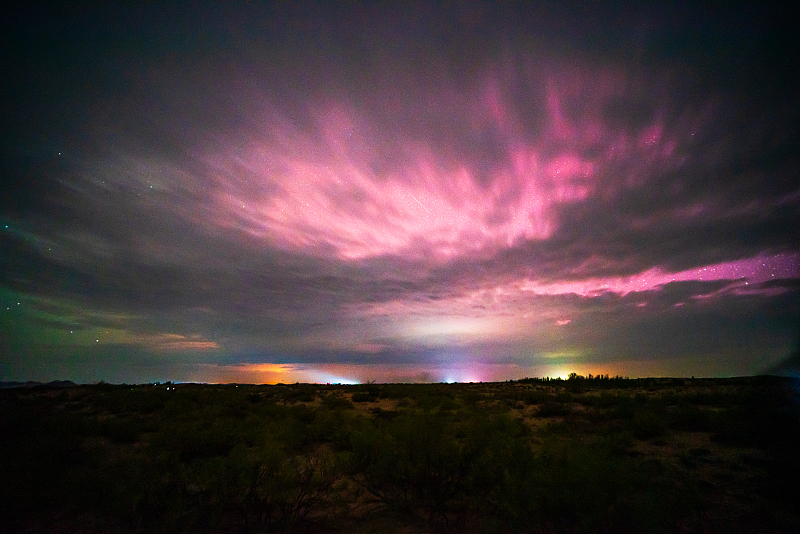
[(399, 192)]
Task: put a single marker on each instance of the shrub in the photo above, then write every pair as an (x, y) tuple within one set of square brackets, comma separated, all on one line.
[(363, 396), (335, 402), (648, 425), (572, 487), (689, 418), (414, 465), (553, 409), (623, 407), (263, 488), (588, 400), (564, 397), (383, 414)]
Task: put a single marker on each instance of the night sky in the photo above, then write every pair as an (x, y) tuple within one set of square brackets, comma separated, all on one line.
[(397, 192)]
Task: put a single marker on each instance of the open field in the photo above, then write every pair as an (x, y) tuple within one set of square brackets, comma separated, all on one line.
[(578, 455)]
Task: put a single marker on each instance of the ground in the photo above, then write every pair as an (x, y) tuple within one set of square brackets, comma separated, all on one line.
[(581, 455)]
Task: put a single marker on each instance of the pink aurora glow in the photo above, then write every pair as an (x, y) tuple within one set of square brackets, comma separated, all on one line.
[(318, 189), (745, 272)]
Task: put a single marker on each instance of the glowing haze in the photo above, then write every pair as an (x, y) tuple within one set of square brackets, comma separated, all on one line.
[(398, 193)]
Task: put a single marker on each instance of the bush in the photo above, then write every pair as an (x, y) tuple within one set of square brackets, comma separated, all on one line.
[(588, 400), (536, 396), (415, 465), (564, 397), (689, 418), (623, 406), (648, 425), (335, 402), (553, 409), (570, 487), (363, 396)]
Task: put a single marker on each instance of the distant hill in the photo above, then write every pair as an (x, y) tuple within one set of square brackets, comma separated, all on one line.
[(30, 384)]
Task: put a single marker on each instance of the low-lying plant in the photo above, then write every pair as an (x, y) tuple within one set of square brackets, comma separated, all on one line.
[(435, 458)]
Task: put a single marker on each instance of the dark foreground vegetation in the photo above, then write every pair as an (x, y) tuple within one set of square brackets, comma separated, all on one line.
[(578, 455)]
